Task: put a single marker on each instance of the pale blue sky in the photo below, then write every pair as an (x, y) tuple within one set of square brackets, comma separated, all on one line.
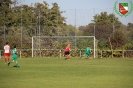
[(81, 12)]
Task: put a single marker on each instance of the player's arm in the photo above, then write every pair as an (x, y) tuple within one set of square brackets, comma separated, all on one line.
[(69, 49), (16, 51)]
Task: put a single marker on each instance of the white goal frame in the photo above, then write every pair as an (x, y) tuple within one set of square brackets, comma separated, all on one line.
[(94, 48)]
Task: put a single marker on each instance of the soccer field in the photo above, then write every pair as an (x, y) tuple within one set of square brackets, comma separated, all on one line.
[(61, 73)]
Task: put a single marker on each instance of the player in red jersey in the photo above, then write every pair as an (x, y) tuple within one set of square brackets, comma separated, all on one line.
[(6, 53), (67, 51)]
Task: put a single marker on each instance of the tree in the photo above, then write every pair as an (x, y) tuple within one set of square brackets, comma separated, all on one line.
[(56, 19), (30, 20), (103, 26), (109, 19), (70, 30), (5, 14)]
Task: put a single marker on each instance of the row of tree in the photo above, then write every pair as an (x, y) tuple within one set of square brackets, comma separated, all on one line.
[(23, 21), (110, 32)]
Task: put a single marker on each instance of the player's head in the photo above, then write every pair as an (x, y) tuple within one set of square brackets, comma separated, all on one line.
[(6, 43), (14, 46)]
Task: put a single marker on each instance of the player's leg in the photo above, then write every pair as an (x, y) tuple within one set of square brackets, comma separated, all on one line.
[(5, 60), (5, 56), (64, 54), (10, 62), (16, 63), (88, 56), (68, 55), (83, 55), (17, 60), (8, 57), (13, 58)]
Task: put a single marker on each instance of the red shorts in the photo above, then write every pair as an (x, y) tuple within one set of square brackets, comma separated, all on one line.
[(7, 54)]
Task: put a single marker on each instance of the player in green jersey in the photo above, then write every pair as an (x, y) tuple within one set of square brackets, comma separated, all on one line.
[(87, 53), (14, 57)]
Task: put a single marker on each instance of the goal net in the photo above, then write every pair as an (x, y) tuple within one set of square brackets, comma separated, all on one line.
[(53, 46)]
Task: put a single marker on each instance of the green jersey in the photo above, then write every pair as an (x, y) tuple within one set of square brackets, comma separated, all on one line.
[(14, 54), (14, 51), (88, 50)]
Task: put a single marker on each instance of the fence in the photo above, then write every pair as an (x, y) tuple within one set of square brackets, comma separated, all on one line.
[(115, 53), (75, 53)]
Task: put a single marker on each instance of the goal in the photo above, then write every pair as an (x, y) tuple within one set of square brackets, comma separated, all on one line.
[(53, 46)]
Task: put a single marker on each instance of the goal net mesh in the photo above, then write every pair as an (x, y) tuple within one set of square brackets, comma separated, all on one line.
[(53, 46)]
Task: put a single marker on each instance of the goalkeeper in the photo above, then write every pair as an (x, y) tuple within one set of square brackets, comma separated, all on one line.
[(87, 52)]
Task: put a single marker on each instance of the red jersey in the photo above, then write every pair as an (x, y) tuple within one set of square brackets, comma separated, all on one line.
[(67, 49)]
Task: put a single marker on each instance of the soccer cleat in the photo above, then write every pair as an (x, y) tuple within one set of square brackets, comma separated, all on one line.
[(18, 66), (8, 63), (15, 66)]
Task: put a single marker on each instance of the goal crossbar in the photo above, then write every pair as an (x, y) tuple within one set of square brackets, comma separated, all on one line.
[(64, 36)]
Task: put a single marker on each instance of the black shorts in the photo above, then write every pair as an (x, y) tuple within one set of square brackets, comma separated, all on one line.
[(67, 53)]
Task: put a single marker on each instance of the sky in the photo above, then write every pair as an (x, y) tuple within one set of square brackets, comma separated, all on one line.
[(81, 12)]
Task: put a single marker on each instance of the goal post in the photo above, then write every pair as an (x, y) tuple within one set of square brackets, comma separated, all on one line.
[(45, 45)]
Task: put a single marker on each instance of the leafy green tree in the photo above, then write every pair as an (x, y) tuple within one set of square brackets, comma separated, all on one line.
[(30, 20), (103, 26), (118, 39), (5, 17), (109, 19), (5, 12), (56, 19)]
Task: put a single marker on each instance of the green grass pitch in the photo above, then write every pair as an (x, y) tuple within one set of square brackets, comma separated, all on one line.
[(61, 73)]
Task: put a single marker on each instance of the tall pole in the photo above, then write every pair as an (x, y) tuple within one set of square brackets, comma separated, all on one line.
[(57, 29), (94, 22), (75, 28), (21, 32), (94, 47), (113, 23), (32, 46), (4, 28), (39, 34), (94, 37), (113, 34), (39, 22), (57, 24)]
